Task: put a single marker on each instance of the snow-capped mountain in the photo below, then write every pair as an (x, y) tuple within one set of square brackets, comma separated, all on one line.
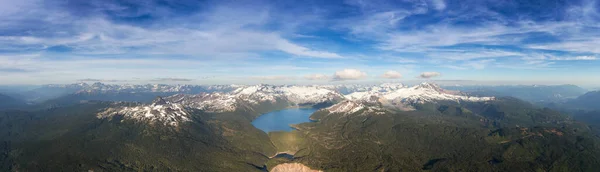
[(159, 112), (376, 100), (172, 110), (209, 102), (130, 88), (49, 92), (223, 102), (350, 107), (424, 92), (295, 94)]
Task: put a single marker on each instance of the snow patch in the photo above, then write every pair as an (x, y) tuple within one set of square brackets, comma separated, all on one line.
[(162, 112)]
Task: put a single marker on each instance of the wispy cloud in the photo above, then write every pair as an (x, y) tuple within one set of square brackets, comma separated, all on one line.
[(226, 32), (575, 58), (497, 36), (552, 57), (232, 41)]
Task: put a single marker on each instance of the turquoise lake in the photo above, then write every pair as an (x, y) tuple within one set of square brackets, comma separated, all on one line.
[(281, 120)]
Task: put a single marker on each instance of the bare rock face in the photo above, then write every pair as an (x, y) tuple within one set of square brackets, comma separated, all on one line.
[(292, 167)]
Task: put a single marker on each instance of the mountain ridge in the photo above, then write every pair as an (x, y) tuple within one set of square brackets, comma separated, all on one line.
[(213, 132)]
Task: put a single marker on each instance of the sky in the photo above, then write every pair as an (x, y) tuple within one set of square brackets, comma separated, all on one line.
[(289, 42)]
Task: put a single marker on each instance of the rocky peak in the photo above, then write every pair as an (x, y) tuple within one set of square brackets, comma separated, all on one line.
[(346, 107), (97, 84), (159, 101), (429, 86)]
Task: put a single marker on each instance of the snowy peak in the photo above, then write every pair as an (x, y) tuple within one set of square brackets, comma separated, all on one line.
[(349, 107), (225, 102), (428, 86), (387, 87), (257, 93), (171, 111), (310, 94), (159, 112), (427, 92), (209, 102), (346, 107), (152, 88), (294, 94), (424, 92)]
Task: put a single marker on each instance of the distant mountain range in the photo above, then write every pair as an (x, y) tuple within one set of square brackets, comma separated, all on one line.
[(542, 94), (590, 100), (531, 93), (48, 92)]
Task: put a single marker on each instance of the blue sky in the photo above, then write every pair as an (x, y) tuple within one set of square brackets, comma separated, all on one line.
[(278, 42)]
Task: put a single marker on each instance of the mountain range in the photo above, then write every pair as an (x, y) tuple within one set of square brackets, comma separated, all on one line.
[(587, 101), (53, 91), (387, 127), (532, 93)]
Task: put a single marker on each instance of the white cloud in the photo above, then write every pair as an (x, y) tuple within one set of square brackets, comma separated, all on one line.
[(574, 58), (427, 75), (316, 77), (391, 75), (349, 74)]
